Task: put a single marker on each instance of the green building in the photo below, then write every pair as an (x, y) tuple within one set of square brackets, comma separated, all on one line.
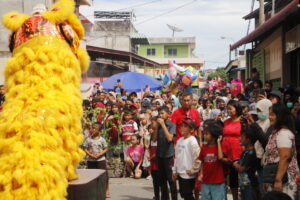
[(161, 50)]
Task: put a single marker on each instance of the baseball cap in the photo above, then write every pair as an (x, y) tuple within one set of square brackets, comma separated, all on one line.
[(190, 122)]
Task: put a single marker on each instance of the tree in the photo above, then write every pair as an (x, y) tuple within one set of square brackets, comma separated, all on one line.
[(220, 72)]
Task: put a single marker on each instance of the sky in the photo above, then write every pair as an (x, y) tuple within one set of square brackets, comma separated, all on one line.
[(207, 20)]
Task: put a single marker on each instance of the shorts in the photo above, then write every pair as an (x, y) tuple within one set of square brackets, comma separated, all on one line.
[(98, 165)]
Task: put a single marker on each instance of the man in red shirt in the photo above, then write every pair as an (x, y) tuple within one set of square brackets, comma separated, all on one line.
[(186, 110)]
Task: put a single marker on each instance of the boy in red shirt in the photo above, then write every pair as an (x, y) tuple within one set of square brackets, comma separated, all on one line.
[(213, 186)]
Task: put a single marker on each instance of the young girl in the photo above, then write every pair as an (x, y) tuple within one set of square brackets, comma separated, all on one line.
[(145, 141), (135, 156)]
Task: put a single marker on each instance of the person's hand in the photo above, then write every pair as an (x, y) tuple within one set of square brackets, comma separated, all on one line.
[(220, 139), (160, 121), (278, 185), (174, 177), (200, 177), (189, 172)]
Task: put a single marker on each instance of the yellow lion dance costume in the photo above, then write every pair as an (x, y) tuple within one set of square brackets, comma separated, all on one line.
[(40, 129)]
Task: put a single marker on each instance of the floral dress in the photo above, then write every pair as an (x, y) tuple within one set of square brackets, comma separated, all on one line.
[(272, 156)]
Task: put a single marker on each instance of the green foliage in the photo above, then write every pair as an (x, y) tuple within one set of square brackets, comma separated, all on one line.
[(220, 72)]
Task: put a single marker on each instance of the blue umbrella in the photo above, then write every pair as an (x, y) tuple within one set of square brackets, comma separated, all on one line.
[(132, 82)]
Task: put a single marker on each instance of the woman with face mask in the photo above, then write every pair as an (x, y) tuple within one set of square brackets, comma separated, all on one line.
[(262, 109)]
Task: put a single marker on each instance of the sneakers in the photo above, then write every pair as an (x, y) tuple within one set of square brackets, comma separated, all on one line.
[(149, 177)]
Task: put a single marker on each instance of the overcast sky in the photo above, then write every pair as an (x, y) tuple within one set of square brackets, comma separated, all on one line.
[(207, 20)]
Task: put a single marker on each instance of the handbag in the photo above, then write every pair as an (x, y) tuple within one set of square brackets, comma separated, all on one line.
[(269, 173)]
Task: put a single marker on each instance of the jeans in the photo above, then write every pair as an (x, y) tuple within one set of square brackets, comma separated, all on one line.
[(213, 191), (165, 176), (186, 187)]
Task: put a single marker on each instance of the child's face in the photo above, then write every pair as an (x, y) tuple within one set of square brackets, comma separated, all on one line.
[(208, 137), (127, 117), (115, 109), (134, 140), (245, 110), (186, 130), (163, 114), (208, 104), (143, 120), (95, 129)]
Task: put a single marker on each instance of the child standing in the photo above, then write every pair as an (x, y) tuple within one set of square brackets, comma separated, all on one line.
[(186, 153), (128, 128), (213, 186), (247, 165), (145, 141), (153, 162), (96, 147), (165, 153), (135, 156)]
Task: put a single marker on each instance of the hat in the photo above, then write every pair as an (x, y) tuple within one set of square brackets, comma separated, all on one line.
[(112, 94), (150, 95), (135, 106), (190, 122)]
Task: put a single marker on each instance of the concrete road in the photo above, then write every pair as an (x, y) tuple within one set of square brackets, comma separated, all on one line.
[(132, 189)]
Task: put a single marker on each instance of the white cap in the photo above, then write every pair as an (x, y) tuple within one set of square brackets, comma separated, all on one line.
[(38, 8)]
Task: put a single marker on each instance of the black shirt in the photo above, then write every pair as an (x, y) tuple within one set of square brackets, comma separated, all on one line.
[(165, 149), (250, 161)]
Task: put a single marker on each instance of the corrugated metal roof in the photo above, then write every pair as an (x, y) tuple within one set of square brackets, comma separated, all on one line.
[(139, 38)]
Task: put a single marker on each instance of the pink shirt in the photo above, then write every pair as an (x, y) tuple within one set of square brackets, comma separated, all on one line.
[(135, 153)]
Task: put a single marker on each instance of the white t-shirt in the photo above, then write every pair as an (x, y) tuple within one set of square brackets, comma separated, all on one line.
[(285, 138), (95, 146), (186, 154)]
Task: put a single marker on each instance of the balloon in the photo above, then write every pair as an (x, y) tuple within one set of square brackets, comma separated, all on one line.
[(172, 70), (186, 80)]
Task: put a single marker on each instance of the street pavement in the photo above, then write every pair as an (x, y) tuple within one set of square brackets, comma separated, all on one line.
[(133, 189)]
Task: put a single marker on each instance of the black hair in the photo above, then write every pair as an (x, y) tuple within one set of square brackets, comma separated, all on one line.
[(237, 106), (270, 83), (284, 117), (85, 102), (138, 137), (215, 130), (260, 84), (98, 123), (118, 80), (252, 131), (164, 108), (1, 86), (127, 112), (276, 195), (243, 98), (95, 100), (207, 100), (186, 94)]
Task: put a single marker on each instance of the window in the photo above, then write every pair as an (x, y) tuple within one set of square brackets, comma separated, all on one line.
[(172, 52), (150, 52)]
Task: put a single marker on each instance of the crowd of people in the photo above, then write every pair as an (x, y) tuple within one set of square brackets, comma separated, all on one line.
[(245, 144)]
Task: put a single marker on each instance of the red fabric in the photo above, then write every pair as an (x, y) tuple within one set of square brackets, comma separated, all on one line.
[(212, 166), (178, 116), (127, 130), (153, 161), (231, 146)]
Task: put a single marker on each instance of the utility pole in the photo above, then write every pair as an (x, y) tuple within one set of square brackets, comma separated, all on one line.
[(261, 12)]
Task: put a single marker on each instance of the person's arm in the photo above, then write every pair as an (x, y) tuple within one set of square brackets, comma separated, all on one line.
[(142, 158), (238, 167), (89, 153), (197, 162), (284, 157), (168, 135), (199, 132), (220, 152), (99, 155)]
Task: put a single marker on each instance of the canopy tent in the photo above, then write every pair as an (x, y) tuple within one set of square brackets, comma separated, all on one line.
[(132, 82)]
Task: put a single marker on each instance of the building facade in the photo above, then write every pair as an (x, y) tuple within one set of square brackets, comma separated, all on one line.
[(161, 50), (275, 51)]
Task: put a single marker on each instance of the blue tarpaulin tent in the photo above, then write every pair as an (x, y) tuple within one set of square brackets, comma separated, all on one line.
[(132, 82)]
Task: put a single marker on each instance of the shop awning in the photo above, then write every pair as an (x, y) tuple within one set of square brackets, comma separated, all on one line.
[(272, 22)]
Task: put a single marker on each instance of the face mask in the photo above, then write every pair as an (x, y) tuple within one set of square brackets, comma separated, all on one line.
[(261, 116), (289, 105), (222, 108)]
